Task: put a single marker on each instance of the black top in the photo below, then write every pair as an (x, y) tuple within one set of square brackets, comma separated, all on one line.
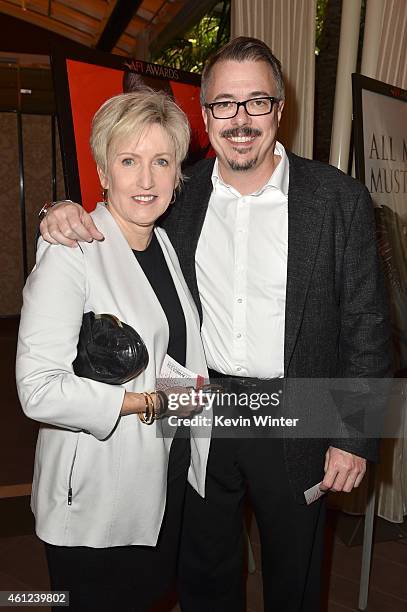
[(154, 266)]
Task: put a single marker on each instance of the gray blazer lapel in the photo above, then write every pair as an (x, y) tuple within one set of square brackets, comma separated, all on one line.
[(305, 215)]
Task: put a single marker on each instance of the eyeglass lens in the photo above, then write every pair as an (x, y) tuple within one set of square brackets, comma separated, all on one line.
[(256, 106)]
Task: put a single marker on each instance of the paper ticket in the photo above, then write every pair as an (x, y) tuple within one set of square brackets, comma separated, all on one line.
[(171, 370)]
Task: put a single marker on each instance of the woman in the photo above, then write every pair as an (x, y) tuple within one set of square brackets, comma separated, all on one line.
[(107, 489)]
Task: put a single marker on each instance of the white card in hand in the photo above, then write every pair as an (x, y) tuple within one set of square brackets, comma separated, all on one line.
[(172, 370), (313, 493)]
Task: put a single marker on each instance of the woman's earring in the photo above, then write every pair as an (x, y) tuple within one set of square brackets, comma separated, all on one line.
[(104, 196)]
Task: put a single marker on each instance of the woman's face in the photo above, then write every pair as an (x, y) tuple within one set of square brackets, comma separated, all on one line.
[(140, 178)]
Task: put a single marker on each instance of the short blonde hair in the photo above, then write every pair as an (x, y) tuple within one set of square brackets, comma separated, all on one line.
[(133, 113)]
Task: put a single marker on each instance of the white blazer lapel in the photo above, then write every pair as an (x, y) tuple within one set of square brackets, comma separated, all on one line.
[(195, 355), (195, 360), (126, 278), (129, 287)]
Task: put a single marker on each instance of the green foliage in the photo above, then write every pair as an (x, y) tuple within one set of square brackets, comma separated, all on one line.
[(320, 18), (320, 21), (191, 52)]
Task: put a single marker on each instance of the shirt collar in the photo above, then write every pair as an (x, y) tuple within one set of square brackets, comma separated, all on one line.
[(278, 180)]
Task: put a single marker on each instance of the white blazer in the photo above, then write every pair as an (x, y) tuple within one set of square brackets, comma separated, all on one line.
[(115, 467)]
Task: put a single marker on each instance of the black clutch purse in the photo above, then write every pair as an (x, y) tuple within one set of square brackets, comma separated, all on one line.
[(109, 350)]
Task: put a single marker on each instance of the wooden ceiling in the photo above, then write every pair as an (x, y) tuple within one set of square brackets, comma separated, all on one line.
[(124, 27)]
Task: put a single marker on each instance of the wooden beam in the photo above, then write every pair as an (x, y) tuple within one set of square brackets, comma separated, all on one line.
[(109, 8), (117, 23), (70, 17), (96, 9), (45, 22)]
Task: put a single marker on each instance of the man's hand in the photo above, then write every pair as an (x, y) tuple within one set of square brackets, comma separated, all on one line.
[(343, 471), (68, 223)]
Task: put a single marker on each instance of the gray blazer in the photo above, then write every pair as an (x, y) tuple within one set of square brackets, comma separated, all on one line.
[(336, 322), (116, 467)]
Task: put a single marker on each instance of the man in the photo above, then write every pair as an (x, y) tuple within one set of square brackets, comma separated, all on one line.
[(279, 253)]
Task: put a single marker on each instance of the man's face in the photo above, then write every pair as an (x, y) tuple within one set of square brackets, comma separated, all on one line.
[(243, 143)]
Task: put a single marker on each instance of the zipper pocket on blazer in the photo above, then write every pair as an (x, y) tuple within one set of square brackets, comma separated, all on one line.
[(71, 472)]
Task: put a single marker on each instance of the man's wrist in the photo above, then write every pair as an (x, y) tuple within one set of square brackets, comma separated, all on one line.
[(44, 210)]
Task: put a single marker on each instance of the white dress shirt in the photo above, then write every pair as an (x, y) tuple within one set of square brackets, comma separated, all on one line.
[(241, 263)]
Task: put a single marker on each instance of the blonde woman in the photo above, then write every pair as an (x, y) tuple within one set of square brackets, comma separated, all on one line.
[(108, 489)]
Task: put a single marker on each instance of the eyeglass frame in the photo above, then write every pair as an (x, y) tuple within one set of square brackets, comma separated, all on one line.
[(273, 100)]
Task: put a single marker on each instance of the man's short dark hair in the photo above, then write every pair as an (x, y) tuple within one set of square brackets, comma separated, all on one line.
[(243, 49)]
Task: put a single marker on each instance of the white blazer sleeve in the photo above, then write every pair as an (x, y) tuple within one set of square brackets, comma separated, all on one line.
[(53, 305)]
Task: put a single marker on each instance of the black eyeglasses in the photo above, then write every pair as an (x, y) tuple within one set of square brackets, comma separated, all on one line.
[(227, 109)]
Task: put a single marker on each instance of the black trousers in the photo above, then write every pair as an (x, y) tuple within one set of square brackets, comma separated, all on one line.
[(212, 543), (123, 578)]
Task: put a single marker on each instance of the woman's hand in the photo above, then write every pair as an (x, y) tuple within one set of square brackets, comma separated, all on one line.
[(181, 401), (184, 401)]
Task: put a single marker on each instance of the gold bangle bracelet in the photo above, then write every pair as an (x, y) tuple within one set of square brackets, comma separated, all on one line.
[(158, 409), (152, 406), (147, 417)]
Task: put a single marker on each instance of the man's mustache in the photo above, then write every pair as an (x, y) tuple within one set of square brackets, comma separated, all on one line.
[(242, 131)]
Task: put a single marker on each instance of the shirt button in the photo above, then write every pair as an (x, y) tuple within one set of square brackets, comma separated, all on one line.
[(238, 369), (239, 300), (238, 335)]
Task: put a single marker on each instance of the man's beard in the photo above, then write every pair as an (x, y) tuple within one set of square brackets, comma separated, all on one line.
[(236, 132), (242, 166)]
